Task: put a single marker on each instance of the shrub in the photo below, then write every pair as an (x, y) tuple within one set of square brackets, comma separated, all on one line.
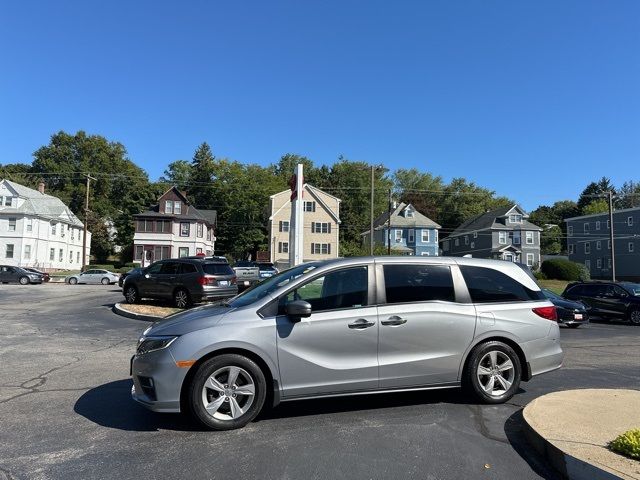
[(627, 444), (539, 275), (104, 267), (560, 269)]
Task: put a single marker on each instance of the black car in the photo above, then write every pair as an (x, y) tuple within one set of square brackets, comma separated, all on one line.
[(126, 274), (10, 274), (570, 313), (183, 280), (608, 299), (45, 276)]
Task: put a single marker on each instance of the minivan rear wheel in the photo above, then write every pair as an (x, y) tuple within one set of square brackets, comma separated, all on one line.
[(227, 392), (493, 373)]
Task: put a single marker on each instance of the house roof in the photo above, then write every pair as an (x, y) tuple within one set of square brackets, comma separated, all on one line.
[(40, 205), (489, 220), (399, 220), (209, 216), (316, 194)]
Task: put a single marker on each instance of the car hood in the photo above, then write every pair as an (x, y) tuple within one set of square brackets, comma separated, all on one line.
[(189, 321), (567, 304)]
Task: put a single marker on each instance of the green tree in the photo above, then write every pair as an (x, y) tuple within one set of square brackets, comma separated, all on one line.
[(19, 173), (551, 240), (202, 176), (629, 195), (178, 173), (420, 189), (593, 191), (597, 206)]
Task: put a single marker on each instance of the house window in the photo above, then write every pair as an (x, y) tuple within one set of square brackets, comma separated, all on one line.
[(502, 238), (77, 257), (283, 247), (183, 252), (208, 234), (168, 206), (571, 249), (53, 228), (456, 242), (445, 245), (586, 228), (425, 235), (515, 218), (608, 224), (570, 230), (630, 221), (598, 245), (185, 229), (7, 201), (12, 224), (408, 213), (516, 238), (529, 238), (425, 254), (599, 263), (466, 239), (9, 251), (73, 234), (284, 226), (27, 252), (321, 248), (587, 263), (609, 262), (177, 207), (435, 236), (139, 252), (412, 235), (309, 206), (587, 248), (200, 230), (61, 255), (475, 234), (52, 254), (631, 246), (530, 258), (29, 224), (161, 252), (198, 250), (398, 235), (598, 226), (62, 230), (473, 244), (70, 256), (320, 227), (608, 244)]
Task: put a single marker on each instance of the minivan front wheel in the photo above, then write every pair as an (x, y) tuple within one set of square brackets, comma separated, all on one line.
[(493, 373), (227, 392)]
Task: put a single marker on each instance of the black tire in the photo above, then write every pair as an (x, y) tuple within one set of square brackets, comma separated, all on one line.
[(73, 281), (181, 298), (105, 281), (478, 358), (24, 280), (131, 294), (197, 394), (634, 316)]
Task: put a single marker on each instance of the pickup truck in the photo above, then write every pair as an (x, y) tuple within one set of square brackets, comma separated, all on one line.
[(247, 273)]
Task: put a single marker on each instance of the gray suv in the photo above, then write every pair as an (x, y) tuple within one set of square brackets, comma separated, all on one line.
[(351, 326), (183, 280)]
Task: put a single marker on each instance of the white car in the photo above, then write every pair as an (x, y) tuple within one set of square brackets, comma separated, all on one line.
[(105, 277)]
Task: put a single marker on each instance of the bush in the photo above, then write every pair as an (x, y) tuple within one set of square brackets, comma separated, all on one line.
[(560, 269), (104, 267), (539, 275), (627, 444)]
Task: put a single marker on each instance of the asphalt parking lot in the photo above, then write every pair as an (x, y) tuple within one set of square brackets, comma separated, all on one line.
[(66, 411)]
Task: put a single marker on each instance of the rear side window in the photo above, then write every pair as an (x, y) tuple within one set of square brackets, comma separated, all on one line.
[(217, 269), (418, 283), (170, 268), (188, 268), (487, 285)]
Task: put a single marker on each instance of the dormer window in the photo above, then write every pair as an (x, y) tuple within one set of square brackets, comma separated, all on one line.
[(408, 213), (168, 206), (177, 207), (7, 201), (515, 218)]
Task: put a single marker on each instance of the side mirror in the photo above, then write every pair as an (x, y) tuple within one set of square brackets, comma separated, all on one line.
[(298, 309)]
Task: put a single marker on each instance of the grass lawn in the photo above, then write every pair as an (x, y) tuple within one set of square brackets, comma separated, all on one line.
[(556, 286)]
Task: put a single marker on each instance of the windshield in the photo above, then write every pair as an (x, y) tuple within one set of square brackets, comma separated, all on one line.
[(271, 285), (633, 288), (549, 294)]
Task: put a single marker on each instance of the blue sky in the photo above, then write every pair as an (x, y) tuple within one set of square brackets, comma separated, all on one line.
[(531, 99)]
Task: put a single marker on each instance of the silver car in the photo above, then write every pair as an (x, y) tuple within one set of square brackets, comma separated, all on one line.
[(98, 275), (353, 326)]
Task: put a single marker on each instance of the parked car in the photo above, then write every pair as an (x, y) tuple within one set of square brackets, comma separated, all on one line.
[(608, 299), (97, 275), (45, 276), (247, 273), (10, 274), (349, 326), (183, 280), (126, 274), (570, 313), (266, 269)]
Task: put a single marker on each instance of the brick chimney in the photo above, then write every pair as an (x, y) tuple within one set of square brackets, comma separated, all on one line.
[(41, 186)]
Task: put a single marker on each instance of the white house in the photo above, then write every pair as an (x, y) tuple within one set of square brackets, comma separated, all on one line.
[(38, 230), (173, 228)]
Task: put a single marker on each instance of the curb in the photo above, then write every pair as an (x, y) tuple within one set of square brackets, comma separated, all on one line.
[(117, 309)]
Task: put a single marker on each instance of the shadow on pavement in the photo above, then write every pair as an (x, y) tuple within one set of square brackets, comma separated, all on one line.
[(513, 430)]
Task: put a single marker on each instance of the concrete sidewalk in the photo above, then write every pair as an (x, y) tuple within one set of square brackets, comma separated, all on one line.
[(572, 429)]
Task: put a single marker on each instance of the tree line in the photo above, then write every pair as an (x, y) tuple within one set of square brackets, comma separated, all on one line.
[(240, 193)]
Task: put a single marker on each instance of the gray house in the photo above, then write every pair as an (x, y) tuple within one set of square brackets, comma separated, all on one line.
[(588, 242), (410, 232), (503, 233)]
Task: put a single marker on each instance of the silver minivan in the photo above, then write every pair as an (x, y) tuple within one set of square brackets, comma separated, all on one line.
[(351, 326)]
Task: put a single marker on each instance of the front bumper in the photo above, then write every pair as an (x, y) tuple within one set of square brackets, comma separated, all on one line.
[(157, 381)]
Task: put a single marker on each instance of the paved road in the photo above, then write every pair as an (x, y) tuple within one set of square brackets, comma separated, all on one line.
[(65, 409)]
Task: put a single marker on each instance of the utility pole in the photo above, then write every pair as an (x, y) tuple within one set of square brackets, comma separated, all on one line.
[(86, 220), (373, 170), (389, 226), (613, 245)]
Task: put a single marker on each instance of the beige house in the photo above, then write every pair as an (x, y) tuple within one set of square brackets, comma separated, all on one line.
[(321, 226)]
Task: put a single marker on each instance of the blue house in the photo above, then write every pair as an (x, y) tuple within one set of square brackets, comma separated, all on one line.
[(410, 232)]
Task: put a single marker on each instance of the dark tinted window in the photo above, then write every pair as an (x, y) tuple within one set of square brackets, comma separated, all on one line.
[(592, 290), (488, 285), (575, 290), (337, 290), (155, 268), (418, 283), (217, 269), (188, 268), (170, 268)]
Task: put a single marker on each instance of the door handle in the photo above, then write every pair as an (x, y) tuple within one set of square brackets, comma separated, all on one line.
[(394, 321), (361, 324)]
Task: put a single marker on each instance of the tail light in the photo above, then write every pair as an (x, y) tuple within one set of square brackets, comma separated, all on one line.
[(207, 280), (549, 313)]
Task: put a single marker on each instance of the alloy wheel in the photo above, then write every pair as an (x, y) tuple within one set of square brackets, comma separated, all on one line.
[(131, 295), (495, 373), (105, 281), (635, 317), (228, 393), (181, 299)]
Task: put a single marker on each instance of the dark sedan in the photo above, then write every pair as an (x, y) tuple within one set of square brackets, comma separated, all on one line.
[(45, 276), (10, 274), (570, 313)]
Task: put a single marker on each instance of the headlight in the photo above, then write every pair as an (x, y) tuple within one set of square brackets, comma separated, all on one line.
[(151, 344)]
